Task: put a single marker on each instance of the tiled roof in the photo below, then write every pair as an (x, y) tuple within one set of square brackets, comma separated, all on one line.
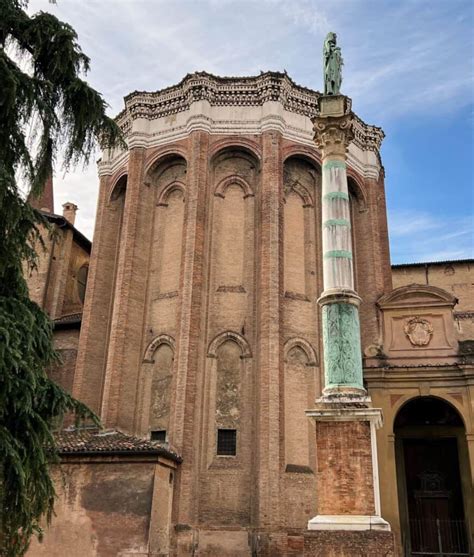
[(62, 222), (94, 441)]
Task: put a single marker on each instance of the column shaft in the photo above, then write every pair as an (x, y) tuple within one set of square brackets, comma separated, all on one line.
[(339, 301)]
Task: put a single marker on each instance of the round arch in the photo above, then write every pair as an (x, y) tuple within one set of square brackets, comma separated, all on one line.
[(231, 180), (357, 189), (425, 410), (308, 154), (433, 475), (235, 143), (167, 190), (118, 185), (162, 155)]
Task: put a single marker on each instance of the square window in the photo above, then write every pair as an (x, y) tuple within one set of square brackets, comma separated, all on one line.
[(226, 442), (158, 435)]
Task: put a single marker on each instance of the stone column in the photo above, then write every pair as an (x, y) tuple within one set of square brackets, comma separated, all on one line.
[(347, 468), (339, 301)]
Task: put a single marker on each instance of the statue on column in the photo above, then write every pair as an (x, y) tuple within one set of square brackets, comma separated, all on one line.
[(332, 65)]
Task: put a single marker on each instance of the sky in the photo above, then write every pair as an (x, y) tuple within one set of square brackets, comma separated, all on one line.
[(408, 67)]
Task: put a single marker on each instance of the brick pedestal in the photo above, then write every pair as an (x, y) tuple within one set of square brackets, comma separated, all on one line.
[(347, 473)]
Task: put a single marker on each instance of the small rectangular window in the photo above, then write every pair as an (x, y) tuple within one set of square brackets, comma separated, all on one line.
[(158, 435), (226, 442)]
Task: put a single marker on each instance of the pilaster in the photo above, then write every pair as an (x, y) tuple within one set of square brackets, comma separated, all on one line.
[(183, 420), (269, 328), (96, 315), (130, 291)]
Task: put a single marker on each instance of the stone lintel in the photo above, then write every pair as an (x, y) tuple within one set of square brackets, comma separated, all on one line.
[(348, 522)]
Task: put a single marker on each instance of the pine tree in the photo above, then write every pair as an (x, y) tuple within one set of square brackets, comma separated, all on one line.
[(40, 89)]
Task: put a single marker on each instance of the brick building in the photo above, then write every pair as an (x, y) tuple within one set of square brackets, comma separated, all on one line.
[(201, 345)]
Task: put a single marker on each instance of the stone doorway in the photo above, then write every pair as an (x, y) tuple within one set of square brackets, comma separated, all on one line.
[(433, 479)]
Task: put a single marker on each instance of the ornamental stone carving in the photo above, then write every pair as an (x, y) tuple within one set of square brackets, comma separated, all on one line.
[(419, 331), (342, 352), (333, 135)]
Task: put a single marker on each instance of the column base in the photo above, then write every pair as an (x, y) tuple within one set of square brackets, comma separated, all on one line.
[(344, 394), (348, 522)]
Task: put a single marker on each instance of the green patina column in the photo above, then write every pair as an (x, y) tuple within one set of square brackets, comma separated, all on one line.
[(339, 301)]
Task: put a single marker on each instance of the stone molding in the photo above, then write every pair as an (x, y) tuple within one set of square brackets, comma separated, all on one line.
[(162, 200), (235, 91), (348, 522), (416, 295), (219, 91), (352, 410), (200, 93), (230, 181)]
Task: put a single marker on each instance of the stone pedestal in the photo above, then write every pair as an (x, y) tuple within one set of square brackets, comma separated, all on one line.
[(347, 469)]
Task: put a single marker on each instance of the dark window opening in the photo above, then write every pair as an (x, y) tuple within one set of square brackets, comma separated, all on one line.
[(159, 435), (82, 282), (227, 442)]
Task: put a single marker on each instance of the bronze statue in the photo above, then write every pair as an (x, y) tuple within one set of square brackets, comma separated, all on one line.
[(332, 65)]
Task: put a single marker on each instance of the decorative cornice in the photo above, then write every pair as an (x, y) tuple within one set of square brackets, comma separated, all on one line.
[(367, 137), (220, 91), (234, 91)]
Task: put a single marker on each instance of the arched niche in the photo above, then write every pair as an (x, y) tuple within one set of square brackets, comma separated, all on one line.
[(359, 223), (300, 181), (357, 193), (299, 391), (168, 178), (161, 363), (232, 223), (303, 345), (118, 188), (228, 420)]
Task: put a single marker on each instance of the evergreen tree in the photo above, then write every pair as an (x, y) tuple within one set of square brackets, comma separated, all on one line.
[(40, 89)]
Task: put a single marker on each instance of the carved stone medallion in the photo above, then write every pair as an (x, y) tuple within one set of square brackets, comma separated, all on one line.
[(419, 331)]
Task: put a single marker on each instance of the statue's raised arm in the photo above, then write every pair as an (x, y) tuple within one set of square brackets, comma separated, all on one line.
[(332, 61)]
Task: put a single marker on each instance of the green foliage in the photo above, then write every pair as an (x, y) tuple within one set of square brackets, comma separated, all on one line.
[(40, 90)]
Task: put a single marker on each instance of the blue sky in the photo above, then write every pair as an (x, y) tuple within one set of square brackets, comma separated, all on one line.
[(408, 68)]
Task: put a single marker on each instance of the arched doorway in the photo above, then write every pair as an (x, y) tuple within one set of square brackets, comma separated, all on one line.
[(433, 478)]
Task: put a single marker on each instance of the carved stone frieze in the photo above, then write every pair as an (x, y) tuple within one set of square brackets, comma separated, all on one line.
[(235, 91), (222, 91), (419, 331)]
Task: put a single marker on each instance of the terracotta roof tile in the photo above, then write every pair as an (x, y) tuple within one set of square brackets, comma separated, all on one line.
[(94, 441)]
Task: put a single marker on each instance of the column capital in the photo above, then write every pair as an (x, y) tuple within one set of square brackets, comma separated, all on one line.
[(333, 127), (333, 135)]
